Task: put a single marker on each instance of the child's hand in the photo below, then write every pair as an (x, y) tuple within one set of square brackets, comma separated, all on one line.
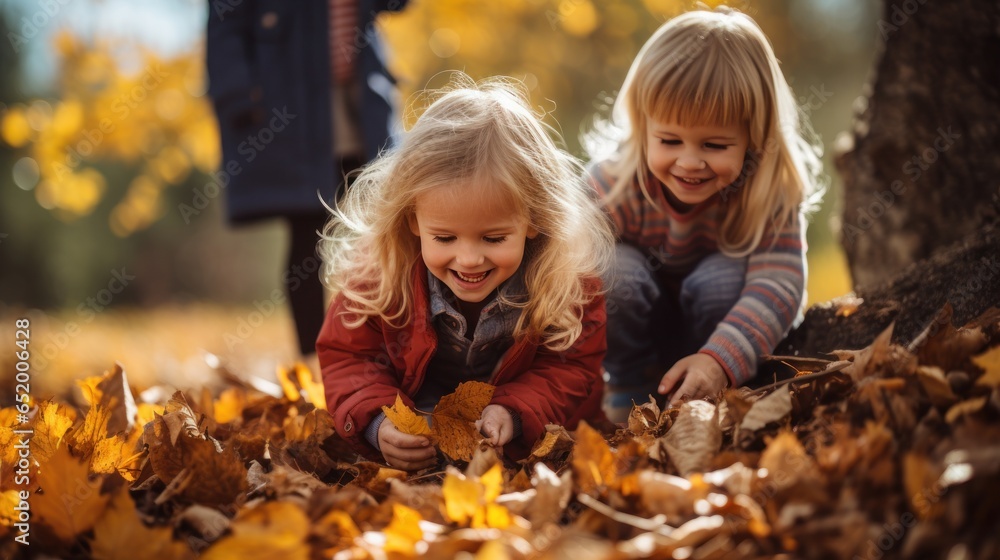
[(496, 424), (404, 451), (702, 377)]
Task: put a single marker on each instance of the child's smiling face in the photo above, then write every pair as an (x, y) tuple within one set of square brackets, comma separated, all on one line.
[(469, 239), (695, 162)]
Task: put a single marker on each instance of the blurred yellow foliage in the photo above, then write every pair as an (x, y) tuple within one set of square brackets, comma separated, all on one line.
[(151, 116), (554, 46)]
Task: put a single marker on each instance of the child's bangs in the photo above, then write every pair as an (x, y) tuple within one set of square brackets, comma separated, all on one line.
[(696, 92)]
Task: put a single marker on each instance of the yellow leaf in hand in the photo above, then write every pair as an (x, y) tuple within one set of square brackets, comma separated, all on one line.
[(455, 416), (406, 420)]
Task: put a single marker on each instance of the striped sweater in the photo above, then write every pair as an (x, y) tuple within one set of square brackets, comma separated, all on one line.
[(774, 289)]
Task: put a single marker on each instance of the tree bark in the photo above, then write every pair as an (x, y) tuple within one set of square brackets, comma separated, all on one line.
[(923, 168)]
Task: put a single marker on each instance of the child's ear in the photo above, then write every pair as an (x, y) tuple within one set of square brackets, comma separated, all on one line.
[(412, 220), (532, 233)]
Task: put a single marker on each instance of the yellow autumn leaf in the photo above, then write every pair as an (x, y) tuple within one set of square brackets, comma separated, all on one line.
[(406, 420), (315, 392), (403, 532), (121, 535), (52, 422), (462, 497), (454, 419), (338, 528), (593, 462), (70, 501), (470, 502), (11, 507), (493, 550), (288, 386), (229, 406), (271, 530), (990, 362)]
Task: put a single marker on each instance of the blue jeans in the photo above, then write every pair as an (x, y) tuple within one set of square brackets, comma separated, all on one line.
[(655, 320)]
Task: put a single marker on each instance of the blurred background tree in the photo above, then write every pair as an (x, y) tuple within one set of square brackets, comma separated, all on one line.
[(104, 132)]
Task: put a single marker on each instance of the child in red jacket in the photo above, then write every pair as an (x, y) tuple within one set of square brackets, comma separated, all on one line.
[(470, 252)]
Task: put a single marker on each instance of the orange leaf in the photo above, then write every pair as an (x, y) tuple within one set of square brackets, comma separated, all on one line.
[(403, 532), (70, 501), (51, 424), (472, 502), (206, 473), (120, 534), (271, 530), (406, 420), (288, 386), (455, 416), (315, 392), (990, 362), (593, 462)]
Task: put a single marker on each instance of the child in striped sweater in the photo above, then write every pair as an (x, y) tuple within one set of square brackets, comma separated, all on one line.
[(710, 174)]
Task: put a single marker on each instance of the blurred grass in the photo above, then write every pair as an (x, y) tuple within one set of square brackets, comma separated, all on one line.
[(164, 345)]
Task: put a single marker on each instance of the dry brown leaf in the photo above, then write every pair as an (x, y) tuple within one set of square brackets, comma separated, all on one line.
[(454, 419), (786, 461), (119, 534), (208, 523), (552, 497), (694, 438), (920, 478), (946, 346), (771, 408), (406, 420), (70, 501), (936, 386), (484, 458), (209, 474), (555, 442), (644, 417), (964, 408), (661, 493), (593, 461), (270, 530)]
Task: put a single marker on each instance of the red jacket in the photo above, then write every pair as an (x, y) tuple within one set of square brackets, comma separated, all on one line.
[(364, 369)]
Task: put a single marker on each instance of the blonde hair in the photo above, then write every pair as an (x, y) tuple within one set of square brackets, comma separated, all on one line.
[(718, 68), (484, 135)]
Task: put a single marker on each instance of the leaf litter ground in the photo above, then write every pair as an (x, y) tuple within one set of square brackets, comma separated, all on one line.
[(884, 452)]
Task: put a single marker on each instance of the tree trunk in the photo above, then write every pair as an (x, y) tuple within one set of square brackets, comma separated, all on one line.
[(923, 169)]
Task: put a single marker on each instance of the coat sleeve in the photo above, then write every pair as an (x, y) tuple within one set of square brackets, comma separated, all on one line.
[(559, 387), (769, 303), (358, 375)]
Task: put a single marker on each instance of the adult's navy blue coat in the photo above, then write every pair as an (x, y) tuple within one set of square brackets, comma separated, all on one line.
[(269, 78)]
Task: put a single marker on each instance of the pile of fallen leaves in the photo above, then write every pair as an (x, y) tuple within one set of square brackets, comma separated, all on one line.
[(888, 451)]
